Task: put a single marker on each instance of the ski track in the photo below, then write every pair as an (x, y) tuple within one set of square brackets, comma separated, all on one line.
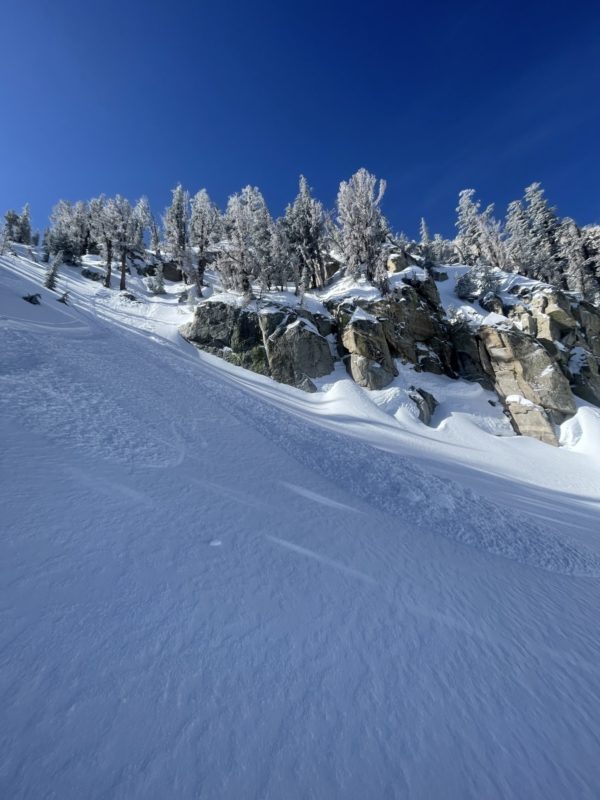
[(340, 642)]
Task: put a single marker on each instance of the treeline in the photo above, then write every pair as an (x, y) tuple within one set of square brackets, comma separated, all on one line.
[(247, 246)]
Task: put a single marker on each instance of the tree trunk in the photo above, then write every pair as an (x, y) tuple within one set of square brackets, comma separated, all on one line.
[(123, 284), (108, 264)]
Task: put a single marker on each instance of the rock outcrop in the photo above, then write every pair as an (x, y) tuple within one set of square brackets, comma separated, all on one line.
[(364, 348), (425, 402), (521, 366), (528, 419), (273, 341), (537, 349)]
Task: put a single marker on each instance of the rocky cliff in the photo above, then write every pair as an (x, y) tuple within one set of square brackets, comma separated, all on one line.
[(538, 348)]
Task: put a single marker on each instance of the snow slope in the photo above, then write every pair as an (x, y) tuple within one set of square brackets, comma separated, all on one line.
[(216, 586)]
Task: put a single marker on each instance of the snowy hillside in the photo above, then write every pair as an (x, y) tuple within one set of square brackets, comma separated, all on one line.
[(214, 585)]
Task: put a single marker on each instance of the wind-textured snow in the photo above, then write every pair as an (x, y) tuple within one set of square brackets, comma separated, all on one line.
[(216, 586)]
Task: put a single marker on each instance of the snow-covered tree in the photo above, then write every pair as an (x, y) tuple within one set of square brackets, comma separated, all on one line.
[(140, 223), (205, 225), (25, 225), (363, 230), (125, 232), (52, 271), (4, 240), (176, 228), (246, 250), (518, 243), (278, 270), (468, 227), (156, 283), (425, 240), (543, 228), (304, 226), (103, 221), (11, 226), (480, 235), (154, 235), (580, 273), (70, 230)]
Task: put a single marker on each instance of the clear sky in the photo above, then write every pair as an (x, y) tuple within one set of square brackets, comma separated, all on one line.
[(132, 96)]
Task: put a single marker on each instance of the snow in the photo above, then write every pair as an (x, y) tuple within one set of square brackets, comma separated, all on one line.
[(361, 314), (217, 586), (408, 274), (519, 400)]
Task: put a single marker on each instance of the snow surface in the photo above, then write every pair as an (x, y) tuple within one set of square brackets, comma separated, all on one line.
[(217, 586)]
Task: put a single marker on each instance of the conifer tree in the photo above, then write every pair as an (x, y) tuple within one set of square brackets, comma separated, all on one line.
[(363, 230), (176, 227), (304, 225), (205, 223), (247, 249), (103, 223), (52, 271), (11, 219), (24, 229)]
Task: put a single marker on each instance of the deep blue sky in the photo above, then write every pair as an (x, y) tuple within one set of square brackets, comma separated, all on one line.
[(136, 95)]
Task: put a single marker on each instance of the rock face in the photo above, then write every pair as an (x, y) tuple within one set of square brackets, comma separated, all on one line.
[(538, 355), (522, 367), (530, 420), (413, 326), (296, 353), (369, 362), (277, 343)]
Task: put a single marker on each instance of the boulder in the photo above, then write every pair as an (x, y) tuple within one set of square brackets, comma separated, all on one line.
[(171, 271), (370, 363), (366, 372), (426, 403), (92, 274), (529, 419), (521, 366), (217, 324), (397, 262), (296, 353)]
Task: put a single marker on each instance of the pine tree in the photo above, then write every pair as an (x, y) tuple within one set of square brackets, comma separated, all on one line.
[(24, 229), (425, 240), (52, 271), (304, 224), (4, 240), (543, 229), (363, 230), (156, 284), (205, 223), (69, 231), (518, 244), (125, 233), (247, 249), (278, 270), (467, 224), (176, 227), (12, 221), (141, 222), (103, 223)]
